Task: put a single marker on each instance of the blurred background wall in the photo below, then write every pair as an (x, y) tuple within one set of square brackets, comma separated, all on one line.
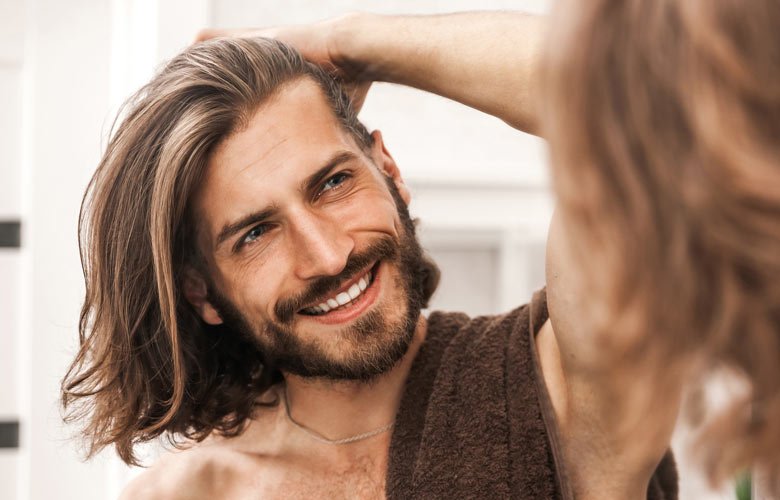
[(479, 187)]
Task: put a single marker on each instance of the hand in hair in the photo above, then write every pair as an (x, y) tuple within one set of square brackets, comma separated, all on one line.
[(318, 43), (445, 54)]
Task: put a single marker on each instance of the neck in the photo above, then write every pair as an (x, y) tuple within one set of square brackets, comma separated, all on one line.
[(338, 409)]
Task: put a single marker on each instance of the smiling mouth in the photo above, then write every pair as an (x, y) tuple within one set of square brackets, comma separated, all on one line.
[(345, 296)]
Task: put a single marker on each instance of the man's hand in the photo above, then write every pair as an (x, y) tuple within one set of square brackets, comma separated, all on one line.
[(318, 43), (485, 60)]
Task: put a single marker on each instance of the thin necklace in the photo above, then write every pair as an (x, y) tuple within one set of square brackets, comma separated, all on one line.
[(322, 439)]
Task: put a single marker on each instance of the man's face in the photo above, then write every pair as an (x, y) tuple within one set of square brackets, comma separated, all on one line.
[(312, 250)]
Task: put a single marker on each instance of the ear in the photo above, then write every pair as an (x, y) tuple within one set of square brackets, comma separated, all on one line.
[(387, 165), (196, 293)]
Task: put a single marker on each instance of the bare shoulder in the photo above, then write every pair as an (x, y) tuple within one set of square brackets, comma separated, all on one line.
[(200, 472)]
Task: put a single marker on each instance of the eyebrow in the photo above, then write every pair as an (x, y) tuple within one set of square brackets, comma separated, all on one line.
[(308, 185), (229, 230)]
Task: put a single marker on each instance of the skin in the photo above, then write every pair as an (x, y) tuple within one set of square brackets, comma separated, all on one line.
[(292, 136)]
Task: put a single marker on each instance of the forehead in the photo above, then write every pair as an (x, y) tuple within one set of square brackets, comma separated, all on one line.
[(291, 135)]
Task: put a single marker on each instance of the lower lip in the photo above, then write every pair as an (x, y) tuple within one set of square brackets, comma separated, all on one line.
[(354, 308)]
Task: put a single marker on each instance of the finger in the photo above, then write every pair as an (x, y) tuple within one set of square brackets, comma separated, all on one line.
[(357, 92), (208, 34)]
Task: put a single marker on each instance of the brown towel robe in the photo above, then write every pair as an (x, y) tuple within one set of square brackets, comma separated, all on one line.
[(475, 419)]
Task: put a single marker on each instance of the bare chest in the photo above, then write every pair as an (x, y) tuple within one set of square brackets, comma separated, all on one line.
[(362, 478)]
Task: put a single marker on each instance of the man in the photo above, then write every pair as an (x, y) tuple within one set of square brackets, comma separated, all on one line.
[(254, 285)]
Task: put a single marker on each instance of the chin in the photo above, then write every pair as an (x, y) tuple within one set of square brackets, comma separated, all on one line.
[(369, 347)]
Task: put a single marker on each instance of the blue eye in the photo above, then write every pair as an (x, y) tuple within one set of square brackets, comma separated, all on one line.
[(254, 234), (334, 182)]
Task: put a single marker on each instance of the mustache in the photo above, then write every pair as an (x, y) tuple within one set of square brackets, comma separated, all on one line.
[(383, 248)]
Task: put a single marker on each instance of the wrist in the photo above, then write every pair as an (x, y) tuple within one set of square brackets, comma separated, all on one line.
[(350, 45)]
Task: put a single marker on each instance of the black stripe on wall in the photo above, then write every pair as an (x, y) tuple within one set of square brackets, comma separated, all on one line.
[(10, 234), (9, 434)]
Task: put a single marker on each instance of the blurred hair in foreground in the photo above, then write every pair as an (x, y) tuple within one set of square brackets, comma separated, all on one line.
[(664, 124)]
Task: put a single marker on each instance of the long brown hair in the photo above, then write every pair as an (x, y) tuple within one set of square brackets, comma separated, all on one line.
[(147, 364), (663, 118)]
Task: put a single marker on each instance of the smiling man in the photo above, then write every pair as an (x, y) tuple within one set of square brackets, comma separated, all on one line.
[(315, 255), (254, 291)]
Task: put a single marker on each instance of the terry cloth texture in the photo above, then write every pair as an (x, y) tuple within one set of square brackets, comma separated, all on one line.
[(475, 420)]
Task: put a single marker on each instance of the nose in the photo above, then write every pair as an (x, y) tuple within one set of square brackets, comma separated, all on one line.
[(320, 245)]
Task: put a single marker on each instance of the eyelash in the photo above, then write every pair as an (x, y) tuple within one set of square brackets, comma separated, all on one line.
[(343, 176), (243, 241)]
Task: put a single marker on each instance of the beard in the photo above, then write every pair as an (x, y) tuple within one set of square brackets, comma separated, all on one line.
[(372, 344)]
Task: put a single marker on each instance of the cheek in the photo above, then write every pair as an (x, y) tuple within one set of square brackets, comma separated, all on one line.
[(253, 289), (371, 211)]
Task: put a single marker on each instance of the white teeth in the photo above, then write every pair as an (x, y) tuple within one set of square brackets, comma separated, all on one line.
[(343, 298)]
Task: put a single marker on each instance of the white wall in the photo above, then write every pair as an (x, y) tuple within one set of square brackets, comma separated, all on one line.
[(11, 47), (72, 63), (64, 102)]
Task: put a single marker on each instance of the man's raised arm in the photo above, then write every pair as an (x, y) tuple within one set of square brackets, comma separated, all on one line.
[(490, 61), (486, 60)]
